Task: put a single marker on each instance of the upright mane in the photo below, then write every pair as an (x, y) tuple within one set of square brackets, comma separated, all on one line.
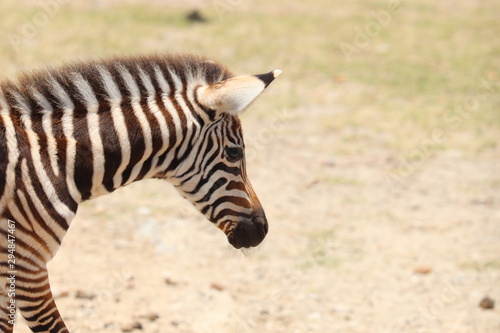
[(189, 68)]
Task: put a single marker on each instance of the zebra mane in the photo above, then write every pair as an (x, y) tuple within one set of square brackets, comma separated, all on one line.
[(188, 69)]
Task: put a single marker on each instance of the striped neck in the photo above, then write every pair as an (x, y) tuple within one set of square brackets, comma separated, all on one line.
[(103, 125)]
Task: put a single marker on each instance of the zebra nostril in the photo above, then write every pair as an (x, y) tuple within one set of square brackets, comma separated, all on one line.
[(261, 226), (249, 233), (260, 221), (266, 227)]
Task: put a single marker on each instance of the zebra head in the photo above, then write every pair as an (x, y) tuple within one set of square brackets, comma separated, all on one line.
[(213, 177)]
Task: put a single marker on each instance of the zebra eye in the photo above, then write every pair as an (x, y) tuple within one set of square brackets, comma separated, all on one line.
[(234, 154)]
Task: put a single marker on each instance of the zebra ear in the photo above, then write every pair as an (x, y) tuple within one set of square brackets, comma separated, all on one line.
[(234, 95)]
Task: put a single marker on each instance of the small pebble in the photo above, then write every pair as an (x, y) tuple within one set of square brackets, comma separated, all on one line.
[(217, 286), (487, 303), (109, 325), (264, 312), (195, 16), (80, 294), (170, 281), (150, 316), (422, 270), (132, 326), (60, 294)]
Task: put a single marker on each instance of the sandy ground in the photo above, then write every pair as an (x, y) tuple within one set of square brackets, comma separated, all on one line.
[(355, 245), (362, 239)]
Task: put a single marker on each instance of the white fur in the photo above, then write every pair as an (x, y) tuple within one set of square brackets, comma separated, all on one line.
[(233, 95), (115, 99), (13, 152), (67, 124), (133, 88), (47, 127), (92, 105)]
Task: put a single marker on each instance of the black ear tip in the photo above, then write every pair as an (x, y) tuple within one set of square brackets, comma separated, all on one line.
[(268, 77)]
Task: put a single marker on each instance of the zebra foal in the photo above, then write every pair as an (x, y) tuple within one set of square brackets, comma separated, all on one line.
[(84, 130)]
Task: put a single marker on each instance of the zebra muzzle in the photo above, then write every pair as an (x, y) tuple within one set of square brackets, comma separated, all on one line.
[(249, 233)]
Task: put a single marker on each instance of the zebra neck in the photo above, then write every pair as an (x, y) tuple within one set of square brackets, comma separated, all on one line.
[(156, 136)]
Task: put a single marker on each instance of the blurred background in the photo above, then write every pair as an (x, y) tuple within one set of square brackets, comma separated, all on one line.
[(376, 155)]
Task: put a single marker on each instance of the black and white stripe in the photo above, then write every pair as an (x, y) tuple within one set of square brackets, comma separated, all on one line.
[(84, 130)]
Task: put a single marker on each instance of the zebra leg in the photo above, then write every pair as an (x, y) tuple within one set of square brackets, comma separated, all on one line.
[(36, 303), (7, 313)]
